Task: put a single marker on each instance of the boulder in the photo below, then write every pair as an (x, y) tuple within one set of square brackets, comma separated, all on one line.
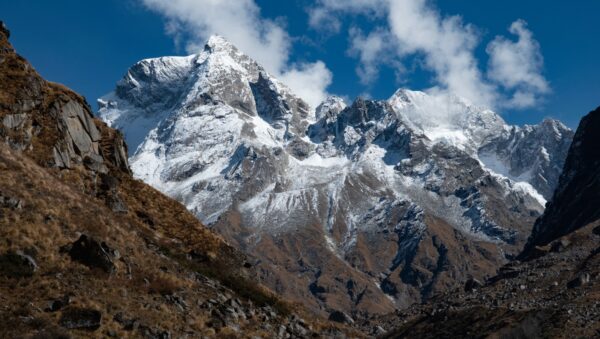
[(128, 324), (581, 280), (58, 304), (108, 189), (81, 319), (153, 333), (10, 202), (17, 265), (92, 253), (341, 317), (116, 204), (108, 182), (472, 285), (559, 245)]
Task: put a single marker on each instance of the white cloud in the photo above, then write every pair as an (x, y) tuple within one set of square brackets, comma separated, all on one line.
[(322, 16), (446, 46), (309, 81), (518, 65), (241, 23), (372, 50)]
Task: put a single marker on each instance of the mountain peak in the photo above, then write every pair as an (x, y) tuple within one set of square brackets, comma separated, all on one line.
[(219, 43), (332, 105), (555, 125), (159, 89), (406, 95), (446, 117)]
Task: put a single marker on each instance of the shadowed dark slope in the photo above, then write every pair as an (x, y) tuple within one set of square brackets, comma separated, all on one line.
[(576, 202)]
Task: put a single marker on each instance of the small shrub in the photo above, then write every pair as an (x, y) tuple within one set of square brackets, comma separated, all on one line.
[(164, 284)]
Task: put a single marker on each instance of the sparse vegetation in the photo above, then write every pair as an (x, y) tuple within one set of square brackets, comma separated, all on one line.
[(155, 287)]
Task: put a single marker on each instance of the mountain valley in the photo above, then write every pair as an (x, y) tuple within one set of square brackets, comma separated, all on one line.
[(206, 199)]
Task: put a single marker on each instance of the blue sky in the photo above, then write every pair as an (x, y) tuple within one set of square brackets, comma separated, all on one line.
[(88, 45)]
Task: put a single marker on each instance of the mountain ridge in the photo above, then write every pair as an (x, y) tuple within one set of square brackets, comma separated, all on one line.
[(371, 187)]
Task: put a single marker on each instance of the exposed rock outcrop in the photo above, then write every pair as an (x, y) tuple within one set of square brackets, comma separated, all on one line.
[(4, 30), (17, 265), (51, 123), (93, 253), (81, 319)]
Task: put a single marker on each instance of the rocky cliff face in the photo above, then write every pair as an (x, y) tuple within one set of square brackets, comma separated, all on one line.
[(576, 200), (534, 154), (88, 251), (51, 123), (362, 208)]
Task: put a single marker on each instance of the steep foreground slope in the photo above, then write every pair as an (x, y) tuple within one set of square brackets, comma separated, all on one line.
[(555, 291), (362, 209), (88, 251)]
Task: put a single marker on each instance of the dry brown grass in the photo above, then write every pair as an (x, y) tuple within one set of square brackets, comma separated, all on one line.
[(54, 214), (165, 284)]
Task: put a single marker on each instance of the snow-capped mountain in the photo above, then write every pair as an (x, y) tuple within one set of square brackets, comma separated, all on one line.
[(364, 207)]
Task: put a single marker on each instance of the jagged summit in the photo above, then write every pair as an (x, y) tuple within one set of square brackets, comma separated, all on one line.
[(330, 107), (384, 202), (218, 43), (447, 117), (155, 90), (555, 126), (4, 30)]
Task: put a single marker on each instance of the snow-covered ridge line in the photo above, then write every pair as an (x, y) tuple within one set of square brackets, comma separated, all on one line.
[(248, 157), (211, 88)]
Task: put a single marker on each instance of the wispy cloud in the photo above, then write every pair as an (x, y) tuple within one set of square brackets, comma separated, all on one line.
[(517, 65), (323, 16), (373, 50), (446, 45), (191, 22), (412, 29)]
